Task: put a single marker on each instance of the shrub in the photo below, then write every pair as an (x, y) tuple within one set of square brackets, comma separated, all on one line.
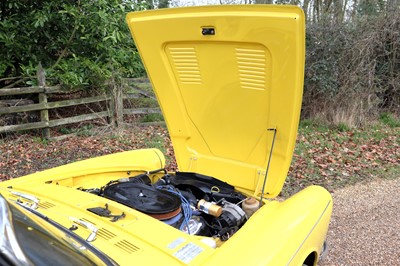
[(79, 43), (352, 69)]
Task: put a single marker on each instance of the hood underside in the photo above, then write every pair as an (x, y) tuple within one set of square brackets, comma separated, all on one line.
[(229, 81)]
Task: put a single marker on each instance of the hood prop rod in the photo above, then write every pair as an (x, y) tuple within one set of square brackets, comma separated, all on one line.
[(269, 162)]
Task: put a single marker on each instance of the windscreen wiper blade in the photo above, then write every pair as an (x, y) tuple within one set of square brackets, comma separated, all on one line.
[(93, 229)]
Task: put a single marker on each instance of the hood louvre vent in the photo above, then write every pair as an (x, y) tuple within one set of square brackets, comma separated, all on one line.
[(252, 65), (126, 246), (86, 220), (46, 205), (186, 64), (105, 234)]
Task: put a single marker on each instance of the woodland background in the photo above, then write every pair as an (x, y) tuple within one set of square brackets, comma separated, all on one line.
[(352, 71)]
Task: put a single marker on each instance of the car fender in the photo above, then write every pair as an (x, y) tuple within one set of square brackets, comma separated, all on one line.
[(135, 160), (281, 233)]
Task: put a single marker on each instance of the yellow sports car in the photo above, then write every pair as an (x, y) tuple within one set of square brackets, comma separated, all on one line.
[(229, 82)]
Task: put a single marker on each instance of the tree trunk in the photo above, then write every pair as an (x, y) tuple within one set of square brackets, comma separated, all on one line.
[(305, 7)]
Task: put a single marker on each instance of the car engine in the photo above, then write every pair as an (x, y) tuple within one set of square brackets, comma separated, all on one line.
[(193, 203)]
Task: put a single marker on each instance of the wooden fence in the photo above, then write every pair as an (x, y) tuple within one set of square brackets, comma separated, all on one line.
[(113, 100)]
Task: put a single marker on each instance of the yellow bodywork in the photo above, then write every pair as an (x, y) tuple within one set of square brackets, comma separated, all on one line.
[(223, 96), (280, 233)]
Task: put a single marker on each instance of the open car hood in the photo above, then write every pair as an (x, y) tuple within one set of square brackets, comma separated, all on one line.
[(229, 81)]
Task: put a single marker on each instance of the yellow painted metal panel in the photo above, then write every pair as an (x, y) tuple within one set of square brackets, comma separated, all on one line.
[(223, 77)]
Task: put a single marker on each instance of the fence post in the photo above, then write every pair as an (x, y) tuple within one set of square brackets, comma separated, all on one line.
[(116, 104), (44, 114)]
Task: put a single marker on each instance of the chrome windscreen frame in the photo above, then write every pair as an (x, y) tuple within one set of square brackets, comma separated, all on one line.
[(9, 245)]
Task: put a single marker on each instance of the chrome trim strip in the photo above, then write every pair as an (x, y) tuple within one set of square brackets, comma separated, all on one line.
[(309, 233)]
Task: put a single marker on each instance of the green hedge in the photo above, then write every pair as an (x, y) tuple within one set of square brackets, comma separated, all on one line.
[(79, 43)]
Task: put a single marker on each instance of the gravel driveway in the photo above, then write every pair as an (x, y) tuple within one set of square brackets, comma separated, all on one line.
[(365, 225)]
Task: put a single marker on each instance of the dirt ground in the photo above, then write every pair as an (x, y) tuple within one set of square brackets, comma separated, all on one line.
[(365, 225)]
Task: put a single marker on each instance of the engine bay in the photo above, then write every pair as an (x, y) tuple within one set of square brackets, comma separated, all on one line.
[(193, 203)]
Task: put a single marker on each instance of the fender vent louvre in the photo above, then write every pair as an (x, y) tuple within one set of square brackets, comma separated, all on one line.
[(127, 246), (86, 220), (105, 234), (46, 205)]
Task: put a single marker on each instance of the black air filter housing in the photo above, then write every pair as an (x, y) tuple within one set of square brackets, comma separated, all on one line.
[(158, 203)]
